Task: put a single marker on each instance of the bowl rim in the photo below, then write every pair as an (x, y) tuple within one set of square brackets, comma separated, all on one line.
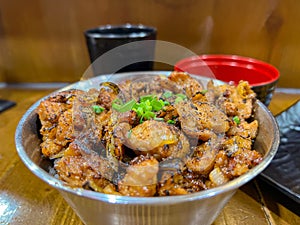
[(230, 60), (163, 200)]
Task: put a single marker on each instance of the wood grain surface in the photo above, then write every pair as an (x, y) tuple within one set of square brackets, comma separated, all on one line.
[(26, 200), (42, 40)]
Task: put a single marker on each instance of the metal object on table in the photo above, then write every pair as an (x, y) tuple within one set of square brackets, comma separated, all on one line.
[(6, 104)]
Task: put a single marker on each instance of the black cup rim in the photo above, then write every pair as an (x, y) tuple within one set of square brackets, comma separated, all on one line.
[(142, 31)]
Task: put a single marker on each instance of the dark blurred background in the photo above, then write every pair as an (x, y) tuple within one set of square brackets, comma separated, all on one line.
[(43, 41)]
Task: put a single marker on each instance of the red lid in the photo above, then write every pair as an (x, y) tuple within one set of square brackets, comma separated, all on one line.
[(229, 68)]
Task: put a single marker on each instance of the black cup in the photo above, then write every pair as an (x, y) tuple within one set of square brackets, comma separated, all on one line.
[(121, 48)]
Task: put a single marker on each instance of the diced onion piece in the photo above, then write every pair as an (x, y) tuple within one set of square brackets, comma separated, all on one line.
[(217, 177)]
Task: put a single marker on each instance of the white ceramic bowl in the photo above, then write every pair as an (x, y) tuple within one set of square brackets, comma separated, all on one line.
[(98, 208)]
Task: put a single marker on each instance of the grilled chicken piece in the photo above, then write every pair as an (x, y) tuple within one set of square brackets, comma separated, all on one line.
[(64, 116), (54, 114), (238, 163), (203, 159), (49, 148), (64, 131), (180, 183), (150, 135), (201, 120), (156, 138), (230, 165), (186, 83), (106, 97), (141, 177), (146, 85), (234, 101), (169, 113), (177, 82), (51, 108), (80, 165), (244, 129), (78, 171), (233, 143), (48, 130)]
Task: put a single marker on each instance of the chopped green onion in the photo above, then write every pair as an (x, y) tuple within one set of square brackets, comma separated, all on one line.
[(125, 107), (117, 101), (97, 109), (139, 110), (146, 97), (167, 94), (166, 103), (141, 119), (159, 119), (157, 104), (116, 106), (147, 115), (142, 107), (146, 107), (237, 120), (203, 92), (181, 96), (129, 133), (178, 99), (171, 122)]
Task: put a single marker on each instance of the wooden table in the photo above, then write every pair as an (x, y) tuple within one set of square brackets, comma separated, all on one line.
[(24, 199)]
